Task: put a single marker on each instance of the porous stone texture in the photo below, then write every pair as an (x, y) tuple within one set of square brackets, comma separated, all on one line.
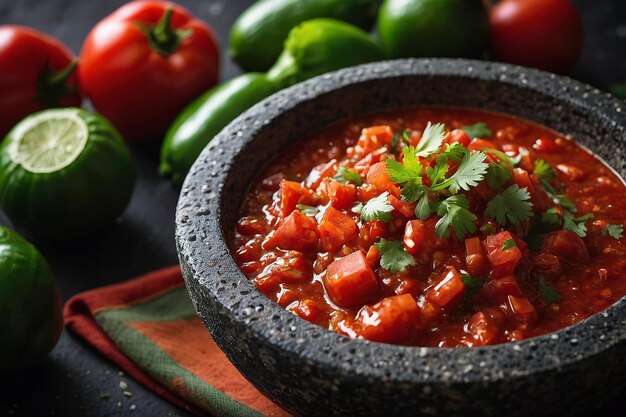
[(314, 372)]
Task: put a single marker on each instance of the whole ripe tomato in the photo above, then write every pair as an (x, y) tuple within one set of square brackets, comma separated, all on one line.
[(36, 72), (143, 63), (544, 34)]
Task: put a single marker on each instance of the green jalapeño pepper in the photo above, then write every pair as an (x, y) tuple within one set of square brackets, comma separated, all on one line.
[(258, 35), (30, 305), (312, 48)]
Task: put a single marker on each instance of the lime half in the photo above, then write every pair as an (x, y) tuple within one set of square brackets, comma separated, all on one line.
[(49, 141)]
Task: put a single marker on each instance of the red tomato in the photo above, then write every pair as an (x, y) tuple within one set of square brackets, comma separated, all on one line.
[(503, 260), (36, 72), (350, 281), (449, 291), (141, 83), (567, 245), (296, 231), (394, 319), (544, 34), (336, 229)]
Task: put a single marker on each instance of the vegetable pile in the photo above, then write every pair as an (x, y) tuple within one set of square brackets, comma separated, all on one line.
[(150, 71)]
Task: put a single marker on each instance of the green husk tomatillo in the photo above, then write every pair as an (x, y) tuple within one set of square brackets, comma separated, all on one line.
[(64, 173), (30, 305)]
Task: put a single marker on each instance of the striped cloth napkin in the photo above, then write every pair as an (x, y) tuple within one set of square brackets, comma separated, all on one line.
[(149, 328)]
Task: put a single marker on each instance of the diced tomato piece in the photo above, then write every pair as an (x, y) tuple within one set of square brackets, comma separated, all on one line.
[(546, 145), (291, 268), (370, 232), (547, 264), (336, 229), (449, 291), (350, 281), (373, 256), (503, 262), (505, 286), (410, 286), (379, 177), (522, 179), (394, 319), (416, 235), (373, 138), (475, 258), (566, 244), (484, 329), (366, 192), (296, 231), (248, 226), (290, 194), (405, 208), (307, 309), (573, 173), (458, 136), (341, 196), (272, 183), (522, 309), (320, 172), (480, 144)]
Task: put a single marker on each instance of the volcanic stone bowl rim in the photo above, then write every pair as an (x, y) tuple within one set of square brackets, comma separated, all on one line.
[(550, 352)]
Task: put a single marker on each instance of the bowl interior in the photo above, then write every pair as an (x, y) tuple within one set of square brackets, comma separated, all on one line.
[(215, 188)]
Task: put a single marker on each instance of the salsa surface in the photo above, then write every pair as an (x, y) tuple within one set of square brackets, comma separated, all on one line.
[(436, 227)]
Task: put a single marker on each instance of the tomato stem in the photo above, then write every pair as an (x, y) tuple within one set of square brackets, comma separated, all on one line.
[(52, 85), (163, 38)]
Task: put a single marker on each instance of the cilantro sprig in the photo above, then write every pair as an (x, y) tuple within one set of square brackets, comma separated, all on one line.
[(469, 173), (393, 256), (345, 176), (456, 216), (478, 130), (431, 141), (378, 208), (616, 231), (548, 291), (308, 210), (510, 206)]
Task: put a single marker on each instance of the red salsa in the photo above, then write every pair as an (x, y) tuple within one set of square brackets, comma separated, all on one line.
[(436, 227)]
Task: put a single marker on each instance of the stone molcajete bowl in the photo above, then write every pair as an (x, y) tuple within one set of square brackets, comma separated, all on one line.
[(311, 371)]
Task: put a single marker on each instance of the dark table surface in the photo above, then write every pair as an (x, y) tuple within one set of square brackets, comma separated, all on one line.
[(74, 378)]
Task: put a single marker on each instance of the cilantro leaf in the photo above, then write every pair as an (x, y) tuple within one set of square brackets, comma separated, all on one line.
[(412, 191), (455, 214), (423, 209), (378, 208), (437, 174), (469, 173), (478, 130), (455, 152), (308, 210), (432, 138), (393, 256), (548, 292), (410, 169), (616, 231), (472, 284), (576, 224), (497, 175), (543, 171), (345, 176), (551, 217), (510, 205), (501, 155), (508, 244)]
